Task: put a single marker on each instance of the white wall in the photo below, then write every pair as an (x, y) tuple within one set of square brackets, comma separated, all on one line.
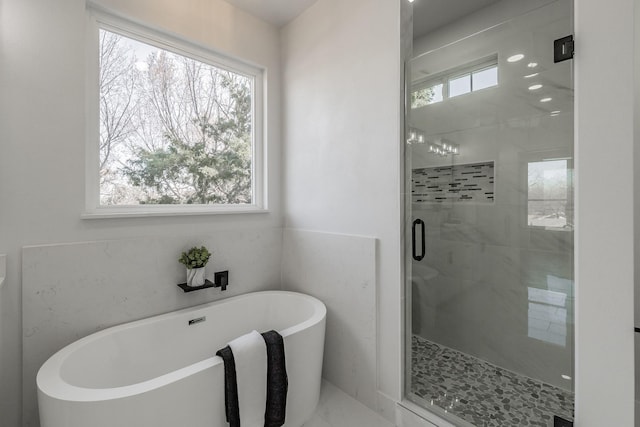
[(42, 113), (342, 69), (604, 256), (636, 205)]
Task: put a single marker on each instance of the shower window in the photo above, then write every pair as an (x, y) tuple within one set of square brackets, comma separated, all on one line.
[(486, 78), (427, 95), (452, 83), (460, 85)]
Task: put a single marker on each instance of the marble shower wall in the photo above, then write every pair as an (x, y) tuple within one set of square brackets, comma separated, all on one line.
[(340, 270), (72, 290), (490, 285), (497, 279)]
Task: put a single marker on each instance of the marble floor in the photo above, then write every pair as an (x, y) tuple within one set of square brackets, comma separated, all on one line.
[(338, 409), (483, 394)]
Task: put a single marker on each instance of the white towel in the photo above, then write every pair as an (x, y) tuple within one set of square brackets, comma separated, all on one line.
[(250, 356)]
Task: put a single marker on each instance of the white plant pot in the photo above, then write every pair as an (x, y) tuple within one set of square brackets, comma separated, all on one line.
[(195, 277)]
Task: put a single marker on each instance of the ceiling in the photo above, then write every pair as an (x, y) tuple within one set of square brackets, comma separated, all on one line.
[(276, 12), (429, 15)]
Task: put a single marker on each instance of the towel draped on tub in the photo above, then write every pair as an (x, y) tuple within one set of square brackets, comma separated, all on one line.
[(255, 379)]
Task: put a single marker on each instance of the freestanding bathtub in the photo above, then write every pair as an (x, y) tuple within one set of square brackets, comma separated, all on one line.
[(163, 372)]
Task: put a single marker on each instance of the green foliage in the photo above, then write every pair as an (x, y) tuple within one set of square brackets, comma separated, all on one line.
[(215, 168), (422, 97), (173, 130), (195, 257)]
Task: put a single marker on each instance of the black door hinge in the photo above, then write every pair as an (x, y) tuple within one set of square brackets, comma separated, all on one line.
[(563, 49)]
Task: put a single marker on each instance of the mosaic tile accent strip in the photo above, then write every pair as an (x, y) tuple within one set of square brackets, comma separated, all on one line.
[(458, 183), (481, 393)]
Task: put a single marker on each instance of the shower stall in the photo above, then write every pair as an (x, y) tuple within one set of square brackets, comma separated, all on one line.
[(489, 212)]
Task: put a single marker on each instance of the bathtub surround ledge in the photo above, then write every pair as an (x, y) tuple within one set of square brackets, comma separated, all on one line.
[(339, 270), (122, 281)]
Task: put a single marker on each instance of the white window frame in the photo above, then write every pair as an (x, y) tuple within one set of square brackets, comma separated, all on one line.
[(99, 18), (445, 78)]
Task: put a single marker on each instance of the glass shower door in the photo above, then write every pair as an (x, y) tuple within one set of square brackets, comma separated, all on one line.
[(490, 232)]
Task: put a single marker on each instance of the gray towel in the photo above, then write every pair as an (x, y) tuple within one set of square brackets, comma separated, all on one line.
[(231, 407), (277, 381)]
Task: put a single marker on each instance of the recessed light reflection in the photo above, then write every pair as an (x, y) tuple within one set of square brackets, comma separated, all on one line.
[(555, 113), (535, 87), (566, 377), (528, 76), (515, 58), (532, 64), (546, 99)]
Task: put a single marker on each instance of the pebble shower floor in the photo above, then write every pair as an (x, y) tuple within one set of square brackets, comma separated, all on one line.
[(483, 394)]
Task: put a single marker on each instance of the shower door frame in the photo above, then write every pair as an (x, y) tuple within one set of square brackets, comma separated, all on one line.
[(602, 338)]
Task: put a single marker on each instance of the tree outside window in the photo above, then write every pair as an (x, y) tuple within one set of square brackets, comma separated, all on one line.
[(173, 129)]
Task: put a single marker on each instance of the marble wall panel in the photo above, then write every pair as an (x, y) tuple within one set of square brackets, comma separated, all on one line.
[(72, 290), (340, 270)]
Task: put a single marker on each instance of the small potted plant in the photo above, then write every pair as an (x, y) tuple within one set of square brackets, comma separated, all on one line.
[(195, 259)]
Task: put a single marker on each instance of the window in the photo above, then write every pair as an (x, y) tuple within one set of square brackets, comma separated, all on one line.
[(549, 201), (470, 78), (483, 79), (426, 96), (178, 127), (460, 85)]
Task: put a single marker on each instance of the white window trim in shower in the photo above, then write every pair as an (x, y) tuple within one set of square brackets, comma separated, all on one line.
[(444, 78), (98, 19)]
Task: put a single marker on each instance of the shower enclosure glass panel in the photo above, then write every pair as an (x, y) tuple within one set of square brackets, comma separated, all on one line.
[(489, 211)]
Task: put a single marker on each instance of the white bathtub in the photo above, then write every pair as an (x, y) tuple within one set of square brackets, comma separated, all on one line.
[(163, 372)]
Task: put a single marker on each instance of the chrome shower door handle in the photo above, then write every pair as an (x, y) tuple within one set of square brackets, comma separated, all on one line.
[(418, 223)]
